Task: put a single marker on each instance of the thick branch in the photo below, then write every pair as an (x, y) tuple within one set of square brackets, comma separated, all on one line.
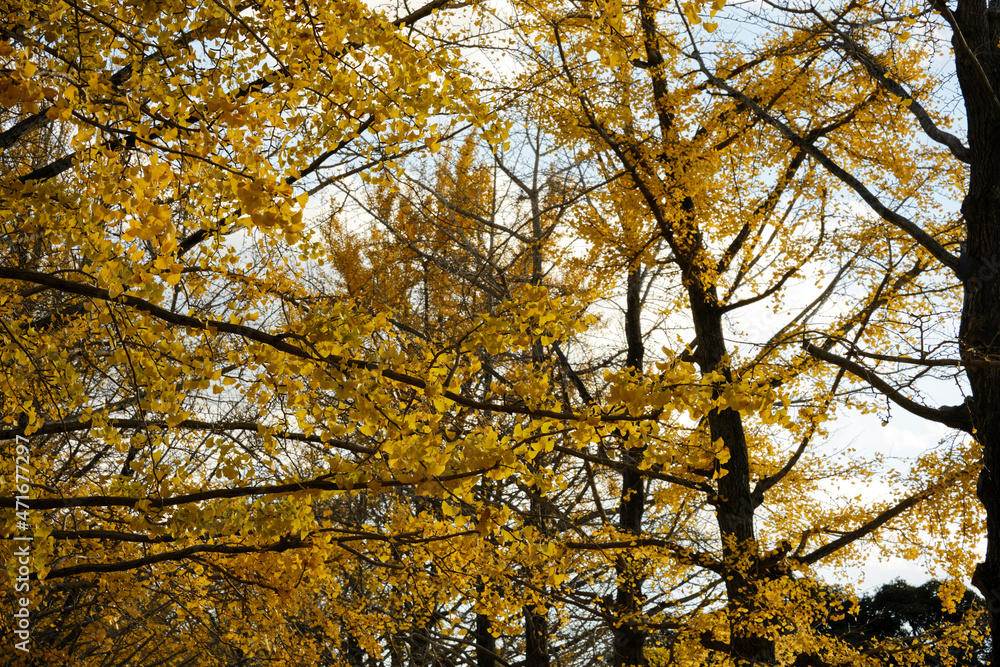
[(69, 426), (683, 554), (877, 72), (622, 467), (914, 361), (953, 416), (319, 484), (122, 566), (280, 343)]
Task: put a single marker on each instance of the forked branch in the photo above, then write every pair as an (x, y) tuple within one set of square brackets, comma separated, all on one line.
[(953, 416)]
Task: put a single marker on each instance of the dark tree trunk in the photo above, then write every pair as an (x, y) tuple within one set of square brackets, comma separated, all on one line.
[(629, 634), (979, 334), (735, 509), (486, 644), (536, 639), (536, 624), (353, 652)]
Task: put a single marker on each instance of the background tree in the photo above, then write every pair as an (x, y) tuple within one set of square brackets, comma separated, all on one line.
[(914, 614), (454, 248)]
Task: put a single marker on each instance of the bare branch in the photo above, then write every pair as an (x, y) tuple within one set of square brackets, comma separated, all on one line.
[(953, 416)]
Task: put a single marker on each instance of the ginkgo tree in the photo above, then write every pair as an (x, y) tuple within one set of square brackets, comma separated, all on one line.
[(252, 444), (144, 242), (635, 591), (743, 214), (929, 178), (450, 250)]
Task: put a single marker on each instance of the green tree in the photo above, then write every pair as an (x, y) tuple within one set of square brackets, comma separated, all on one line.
[(916, 614)]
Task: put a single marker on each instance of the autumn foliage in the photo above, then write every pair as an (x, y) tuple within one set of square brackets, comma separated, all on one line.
[(494, 334)]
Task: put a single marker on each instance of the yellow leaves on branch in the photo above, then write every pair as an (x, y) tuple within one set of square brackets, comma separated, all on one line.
[(693, 10), (356, 452)]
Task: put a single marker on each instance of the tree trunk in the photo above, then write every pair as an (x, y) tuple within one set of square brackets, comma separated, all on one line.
[(486, 644), (735, 509), (979, 334), (536, 639), (629, 634), (536, 624)]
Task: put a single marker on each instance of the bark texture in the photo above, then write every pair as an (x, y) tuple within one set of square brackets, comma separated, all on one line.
[(978, 68), (629, 634)]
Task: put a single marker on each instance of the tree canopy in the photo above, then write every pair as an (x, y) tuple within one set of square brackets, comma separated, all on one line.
[(497, 334)]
